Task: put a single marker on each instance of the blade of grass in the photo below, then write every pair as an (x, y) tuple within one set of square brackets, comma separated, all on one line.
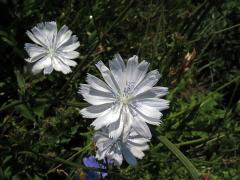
[(12, 104), (184, 160)]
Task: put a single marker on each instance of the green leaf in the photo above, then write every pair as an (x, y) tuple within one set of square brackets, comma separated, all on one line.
[(1, 173), (12, 104), (6, 159), (37, 177), (21, 82), (185, 161), (24, 112), (16, 177), (7, 172), (39, 111)]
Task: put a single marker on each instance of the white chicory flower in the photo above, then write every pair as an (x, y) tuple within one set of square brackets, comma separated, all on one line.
[(52, 49), (130, 146), (127, 98)]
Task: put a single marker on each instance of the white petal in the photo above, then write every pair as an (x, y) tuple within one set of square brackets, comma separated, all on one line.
[(108, 77), (69, 55), (41, 64), (67, 62), (116, 155), (160, 91), (73, 39), (59, 66), (120, 61), (36, 58), (131, 69), (136, 72), (117, 68), (159, 104), (103, 144), (128, 156), (63, 36), (149, 111), (147, 117), (101, 153), (116, 128), (146, 94), (141, 71), (70, 47), (97, 83), (141, 128), (48, 70), (34, 50), (103, 147), (39, 33), (137, 140), (61, 33), (37, 39), (95, 111), (94, 96), (136, 152), (127, 124), (108, 117), (50, 30), (101, 138), (95, 100), (147, 84)]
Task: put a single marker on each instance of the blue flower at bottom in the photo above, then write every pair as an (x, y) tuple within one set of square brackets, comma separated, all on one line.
[(92, 162)]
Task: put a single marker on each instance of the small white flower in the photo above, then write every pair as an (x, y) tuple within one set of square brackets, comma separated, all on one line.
[(129, 147), (53, 49), (126, 98)]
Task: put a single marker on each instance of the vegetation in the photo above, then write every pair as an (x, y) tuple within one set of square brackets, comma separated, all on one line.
[(194, 44)]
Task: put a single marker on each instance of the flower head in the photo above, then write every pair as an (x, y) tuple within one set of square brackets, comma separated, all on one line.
[(127, 98), (52, 49), (129, 146), (92, 162)]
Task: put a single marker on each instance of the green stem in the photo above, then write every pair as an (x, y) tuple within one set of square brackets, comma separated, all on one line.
[(195, 141), (227, 84), (200, 140), (226, 29)]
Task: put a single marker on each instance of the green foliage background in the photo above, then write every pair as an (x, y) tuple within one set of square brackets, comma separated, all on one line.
[(42, 134)]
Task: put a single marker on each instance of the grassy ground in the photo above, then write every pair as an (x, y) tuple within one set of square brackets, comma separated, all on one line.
[(41, 130)]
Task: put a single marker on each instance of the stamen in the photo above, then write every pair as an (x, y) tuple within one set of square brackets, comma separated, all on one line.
[(125, 100), (126, 96)]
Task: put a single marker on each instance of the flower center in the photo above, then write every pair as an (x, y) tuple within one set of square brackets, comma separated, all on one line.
[(51, 52), (124, 100), (126, 95)]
